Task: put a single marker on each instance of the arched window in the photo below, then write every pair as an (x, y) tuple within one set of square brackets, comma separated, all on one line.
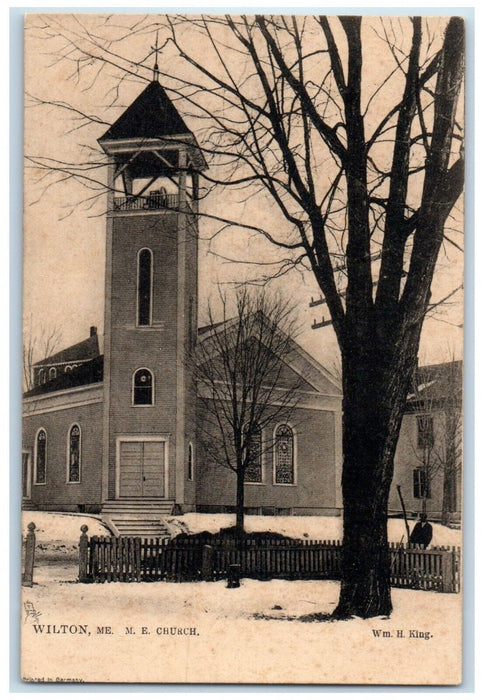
[(253, 468), (284, 462), (52, 373), (41, 457), (191, 462), (145, 279), (42, 376), (74, 455), (143, 387), (67, 369)]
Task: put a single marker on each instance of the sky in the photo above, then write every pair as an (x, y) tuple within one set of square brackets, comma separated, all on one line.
[(64, 237)]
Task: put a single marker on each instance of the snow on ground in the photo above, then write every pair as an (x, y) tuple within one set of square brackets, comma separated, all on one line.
[(205, 632), (262, 632), (57, 534), (61, 526), (308, 527)]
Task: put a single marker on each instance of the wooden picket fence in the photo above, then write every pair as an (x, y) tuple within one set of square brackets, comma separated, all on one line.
[(161, 559)]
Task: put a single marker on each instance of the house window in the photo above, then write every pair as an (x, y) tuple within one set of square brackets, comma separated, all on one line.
[(52, 373), (253, 468), (425, 431), (284, 455), (421, 485), (142, 388), (41, 457), (190, 462), (74, 455), (145, 280)]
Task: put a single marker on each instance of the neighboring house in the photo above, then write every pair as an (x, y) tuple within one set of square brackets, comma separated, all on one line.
[(428, 461), (117, 433)]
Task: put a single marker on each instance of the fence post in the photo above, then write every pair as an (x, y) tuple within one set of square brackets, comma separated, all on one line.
[(233, 578), (83, 551), (447, 573), (207, 562), (28, 575)]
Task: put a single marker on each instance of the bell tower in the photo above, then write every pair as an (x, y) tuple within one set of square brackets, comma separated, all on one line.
[(151, 304)]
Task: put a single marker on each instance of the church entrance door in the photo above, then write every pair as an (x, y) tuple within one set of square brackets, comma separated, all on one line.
[(141, 469)]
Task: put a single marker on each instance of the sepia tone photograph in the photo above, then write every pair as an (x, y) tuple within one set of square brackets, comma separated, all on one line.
[(243, 304)]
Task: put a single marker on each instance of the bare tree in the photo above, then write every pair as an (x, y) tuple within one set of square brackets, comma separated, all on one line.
[(241, 375), (37, 346), (363, 164)]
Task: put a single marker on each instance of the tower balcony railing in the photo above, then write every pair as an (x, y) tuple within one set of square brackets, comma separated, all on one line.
[(151, 202)]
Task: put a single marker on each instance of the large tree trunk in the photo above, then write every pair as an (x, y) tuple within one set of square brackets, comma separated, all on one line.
[(373, 405)]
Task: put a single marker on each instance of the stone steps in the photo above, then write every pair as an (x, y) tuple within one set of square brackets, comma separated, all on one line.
[(137, 518)]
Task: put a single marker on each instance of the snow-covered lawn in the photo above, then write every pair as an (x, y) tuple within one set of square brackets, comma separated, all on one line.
[(301, 527), (57, 534), (205, 632)]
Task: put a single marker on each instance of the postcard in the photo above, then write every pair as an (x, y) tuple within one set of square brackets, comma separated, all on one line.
[(242, 349)]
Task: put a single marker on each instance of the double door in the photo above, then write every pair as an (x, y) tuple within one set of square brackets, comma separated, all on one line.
[(142, 469)]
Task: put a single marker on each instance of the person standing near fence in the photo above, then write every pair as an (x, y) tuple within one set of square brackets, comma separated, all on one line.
[(422, 532)]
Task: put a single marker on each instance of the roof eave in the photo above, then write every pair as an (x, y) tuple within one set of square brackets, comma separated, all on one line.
[(128, 145)]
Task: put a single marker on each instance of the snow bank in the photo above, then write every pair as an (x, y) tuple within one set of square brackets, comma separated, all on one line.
[(61, 526), (308, 527), (65, 527)]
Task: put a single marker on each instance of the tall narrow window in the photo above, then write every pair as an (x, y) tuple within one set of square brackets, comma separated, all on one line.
[(25, 474), (190, 461), (425, 429), (145, 264), (253, 469), (42, 376), (142, 387), (421, 484), (74, 466), (284, 455), (41, 457)]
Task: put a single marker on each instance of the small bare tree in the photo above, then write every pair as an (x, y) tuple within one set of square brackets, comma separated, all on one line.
[(242, 382), (37, 346), (439, 455)]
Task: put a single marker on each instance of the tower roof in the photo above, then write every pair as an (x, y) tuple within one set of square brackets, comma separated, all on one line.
[(152, 115)]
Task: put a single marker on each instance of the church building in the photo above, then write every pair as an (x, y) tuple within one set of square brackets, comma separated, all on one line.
[(116, 433)]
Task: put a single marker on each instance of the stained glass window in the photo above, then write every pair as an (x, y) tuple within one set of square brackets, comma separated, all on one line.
[(253, 469), (284, 455), (75, 454), (41, 458), (143, 388)]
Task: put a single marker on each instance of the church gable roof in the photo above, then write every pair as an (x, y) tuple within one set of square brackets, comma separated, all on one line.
[(152, 115), (298, 369), (87, 349)]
